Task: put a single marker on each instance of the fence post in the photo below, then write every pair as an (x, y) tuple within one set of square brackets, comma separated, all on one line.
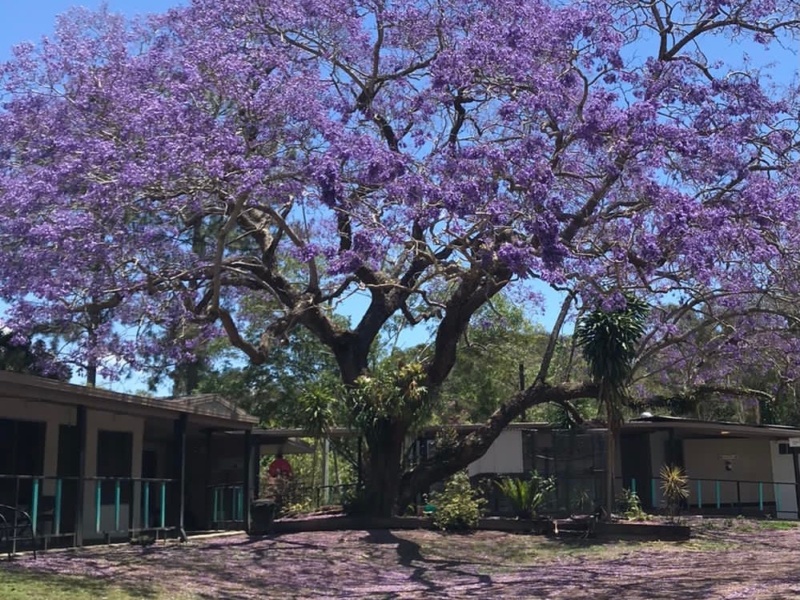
[(57, 509), (716, 489), (97, 494), (146, 504), (163, 504), (117, 498), (760, 496), (35, 505), (699, 493), (215, 512), (653, 492)]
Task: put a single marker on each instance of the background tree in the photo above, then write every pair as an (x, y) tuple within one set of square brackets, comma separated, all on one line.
[(31, 357), (499, 343), (400, 162)]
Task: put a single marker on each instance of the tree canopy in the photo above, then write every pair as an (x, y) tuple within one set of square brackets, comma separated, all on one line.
[(244, 168)]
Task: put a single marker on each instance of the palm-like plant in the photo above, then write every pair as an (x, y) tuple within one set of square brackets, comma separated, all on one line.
[(526, 495), (608, 340), (674, 486)]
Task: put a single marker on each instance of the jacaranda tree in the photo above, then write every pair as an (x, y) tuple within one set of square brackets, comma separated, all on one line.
[(253, 165)]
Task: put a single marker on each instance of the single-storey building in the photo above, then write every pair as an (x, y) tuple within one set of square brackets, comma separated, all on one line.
[(732, 468), (89, 464)]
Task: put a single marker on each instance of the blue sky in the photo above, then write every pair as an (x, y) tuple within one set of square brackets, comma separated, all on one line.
[(29, 20)]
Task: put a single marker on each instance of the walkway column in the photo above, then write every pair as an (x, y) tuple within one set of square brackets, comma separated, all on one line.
[(796, 464), (326, 490), (81, 492), (247, 482), (180, 470)]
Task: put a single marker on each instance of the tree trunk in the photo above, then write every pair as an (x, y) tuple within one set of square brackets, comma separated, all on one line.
[(475, 444), (383, 466)]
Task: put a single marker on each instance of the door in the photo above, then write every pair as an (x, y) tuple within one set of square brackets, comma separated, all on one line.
[(635, 453), (68, 467)]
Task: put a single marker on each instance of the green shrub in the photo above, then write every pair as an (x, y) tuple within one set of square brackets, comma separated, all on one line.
[(355, 502), (631, 506), (458, 506), (526, 495)]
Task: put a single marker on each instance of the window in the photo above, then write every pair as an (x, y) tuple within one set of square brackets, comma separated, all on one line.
[(21, 453), (114, 459)]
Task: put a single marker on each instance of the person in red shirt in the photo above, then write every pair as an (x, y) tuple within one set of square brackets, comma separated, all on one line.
[(280, 467)]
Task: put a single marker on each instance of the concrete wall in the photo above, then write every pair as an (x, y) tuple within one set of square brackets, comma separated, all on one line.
[(54, 415), (750, 459), (96, 421), (503, 456), (783, 473)]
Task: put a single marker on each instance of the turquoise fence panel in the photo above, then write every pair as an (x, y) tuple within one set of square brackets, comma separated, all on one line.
[(163, 504), (97, 498)]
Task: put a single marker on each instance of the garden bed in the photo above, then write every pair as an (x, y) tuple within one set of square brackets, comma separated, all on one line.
[(622, 530)]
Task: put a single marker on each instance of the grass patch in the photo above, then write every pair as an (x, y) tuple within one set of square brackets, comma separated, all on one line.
[(25, 585), (777, 525), (501, 550)]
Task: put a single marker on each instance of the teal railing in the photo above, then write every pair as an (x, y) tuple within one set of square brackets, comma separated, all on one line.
[(227, 504), (46, 500), (720, 494)]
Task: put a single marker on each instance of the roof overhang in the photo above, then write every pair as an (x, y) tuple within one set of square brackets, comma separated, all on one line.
[(719, 429), (37, 389)]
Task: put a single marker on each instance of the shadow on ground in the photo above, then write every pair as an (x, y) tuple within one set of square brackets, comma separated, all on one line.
[(429, 564)]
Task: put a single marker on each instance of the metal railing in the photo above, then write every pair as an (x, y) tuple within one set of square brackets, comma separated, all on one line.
[(227, 504), (724, 496), (111, 503), (728, 494)]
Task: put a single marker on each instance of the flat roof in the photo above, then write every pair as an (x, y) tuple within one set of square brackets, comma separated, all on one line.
[(653, 423), (207, 409)]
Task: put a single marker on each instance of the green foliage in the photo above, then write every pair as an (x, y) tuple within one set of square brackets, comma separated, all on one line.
[(674, 486), (458, 506), (608, 341), (631, 506), (274, 390), (355, 502), (315, 408), (526, 495)]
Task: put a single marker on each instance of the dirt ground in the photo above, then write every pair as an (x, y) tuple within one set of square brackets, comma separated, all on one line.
[(725, 559)]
